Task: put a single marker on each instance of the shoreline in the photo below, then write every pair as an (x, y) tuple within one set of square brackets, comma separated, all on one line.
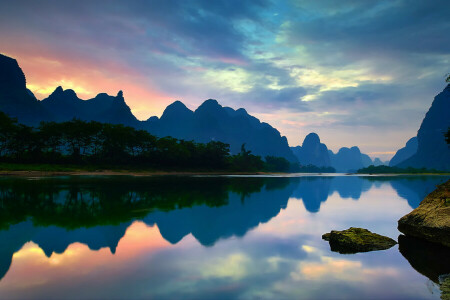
[(36, 173)]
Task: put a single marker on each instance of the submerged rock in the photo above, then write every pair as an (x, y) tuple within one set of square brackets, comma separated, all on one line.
[(431, 220), (354, 240)]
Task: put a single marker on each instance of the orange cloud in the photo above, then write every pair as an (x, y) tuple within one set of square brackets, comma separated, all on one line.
[(46, 69)]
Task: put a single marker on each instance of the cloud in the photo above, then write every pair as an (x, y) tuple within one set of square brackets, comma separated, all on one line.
[(303, 65)]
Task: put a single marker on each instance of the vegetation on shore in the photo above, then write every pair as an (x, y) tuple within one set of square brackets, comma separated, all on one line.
[(79, 145), (395, 170)]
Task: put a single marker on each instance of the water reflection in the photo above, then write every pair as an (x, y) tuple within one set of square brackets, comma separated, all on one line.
[(57, 214)]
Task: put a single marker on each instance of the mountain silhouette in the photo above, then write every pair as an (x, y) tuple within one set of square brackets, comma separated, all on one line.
[(377, 162), (209, 122), (15, 99), (312, 152), (349, 159), (432, 150), (213, 122), (316, 153), (65, 105), (404, 153)]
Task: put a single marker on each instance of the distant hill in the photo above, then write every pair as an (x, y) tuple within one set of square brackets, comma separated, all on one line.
[(349, 159), (404, 153), (209, 122), (312, 152), (65, 105), (378, 162), (432, 150), (316, 153), (213, 122)]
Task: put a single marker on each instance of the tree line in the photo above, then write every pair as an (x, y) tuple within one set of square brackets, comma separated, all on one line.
[(80, 142)]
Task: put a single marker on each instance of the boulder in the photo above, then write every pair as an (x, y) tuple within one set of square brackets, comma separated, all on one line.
[(354, 240), (431, 220)]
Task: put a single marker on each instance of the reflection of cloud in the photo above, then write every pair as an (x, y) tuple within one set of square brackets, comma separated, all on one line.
[(233, 266), (328, 267), (342, 269), (31, 259)]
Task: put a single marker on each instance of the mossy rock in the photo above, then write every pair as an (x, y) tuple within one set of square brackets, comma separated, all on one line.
[(431, 220), (444, 285), (354, 240)]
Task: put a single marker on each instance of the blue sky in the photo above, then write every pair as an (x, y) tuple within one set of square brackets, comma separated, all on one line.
[(356, 72)]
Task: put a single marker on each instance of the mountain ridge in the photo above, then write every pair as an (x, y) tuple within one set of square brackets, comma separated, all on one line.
[(209, 122), (432, 150)]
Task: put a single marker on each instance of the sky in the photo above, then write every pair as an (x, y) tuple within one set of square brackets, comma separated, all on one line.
[(355, 72)]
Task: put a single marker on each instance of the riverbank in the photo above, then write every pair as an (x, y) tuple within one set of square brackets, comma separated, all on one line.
[(43, 170)]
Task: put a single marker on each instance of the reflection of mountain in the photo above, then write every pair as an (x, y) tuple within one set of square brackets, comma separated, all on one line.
[(209, 224), (209, 208), (54, 239), (414, 193), (57, 212), (315, 190)]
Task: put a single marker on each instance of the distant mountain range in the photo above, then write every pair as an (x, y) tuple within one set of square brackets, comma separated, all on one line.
[(313, 152), (213, 122), (209, 122)]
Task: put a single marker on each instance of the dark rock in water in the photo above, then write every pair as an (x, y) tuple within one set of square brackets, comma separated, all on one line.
[(429, 259), (354, 240), (431, 220)]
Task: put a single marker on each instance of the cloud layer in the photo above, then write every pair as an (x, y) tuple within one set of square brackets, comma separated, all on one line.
[(356, 72)]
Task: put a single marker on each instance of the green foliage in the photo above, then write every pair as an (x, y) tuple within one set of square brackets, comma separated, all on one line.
[(277, 164), (245, 161), (297, 168), (81, 143)]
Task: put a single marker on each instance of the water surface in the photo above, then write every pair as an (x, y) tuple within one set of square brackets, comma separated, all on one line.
[(208, 237)]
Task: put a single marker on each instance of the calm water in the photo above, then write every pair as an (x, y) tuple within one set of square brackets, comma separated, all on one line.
[(209, 237)]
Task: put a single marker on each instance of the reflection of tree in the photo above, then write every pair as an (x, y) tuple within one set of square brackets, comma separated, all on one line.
[(86, 202)]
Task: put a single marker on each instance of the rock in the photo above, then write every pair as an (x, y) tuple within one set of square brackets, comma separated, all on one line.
[(355, 240), (431, 220)]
